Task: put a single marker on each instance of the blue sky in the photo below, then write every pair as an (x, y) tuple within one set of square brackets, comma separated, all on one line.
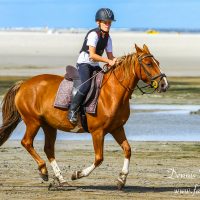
[(183, 14)]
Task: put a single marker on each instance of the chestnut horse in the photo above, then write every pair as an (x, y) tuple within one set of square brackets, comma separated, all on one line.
[(32, 101)]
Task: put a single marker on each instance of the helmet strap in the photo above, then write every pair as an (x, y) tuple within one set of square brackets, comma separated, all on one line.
[(106, 32)]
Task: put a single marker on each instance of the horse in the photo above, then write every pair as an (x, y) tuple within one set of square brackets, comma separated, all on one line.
[(32, 101)]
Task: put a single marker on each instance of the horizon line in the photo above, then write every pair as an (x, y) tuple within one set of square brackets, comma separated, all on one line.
[(47, 28)]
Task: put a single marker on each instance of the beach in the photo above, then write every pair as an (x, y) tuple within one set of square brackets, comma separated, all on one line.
[(30, 53), (158, 170)]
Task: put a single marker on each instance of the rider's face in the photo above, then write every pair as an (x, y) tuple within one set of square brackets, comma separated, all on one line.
[(105, 25)]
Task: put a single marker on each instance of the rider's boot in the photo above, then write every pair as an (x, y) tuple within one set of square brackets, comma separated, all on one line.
[(74, 107)]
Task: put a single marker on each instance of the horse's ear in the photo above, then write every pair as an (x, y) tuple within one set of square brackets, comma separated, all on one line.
[(145, 48), (138, 50)]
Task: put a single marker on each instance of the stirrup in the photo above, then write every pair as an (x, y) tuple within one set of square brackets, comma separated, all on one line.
[(73, 116)]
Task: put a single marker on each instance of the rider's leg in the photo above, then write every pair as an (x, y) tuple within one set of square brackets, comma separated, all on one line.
[(85, 72)]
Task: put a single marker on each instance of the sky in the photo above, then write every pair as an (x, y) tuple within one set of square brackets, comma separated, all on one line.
[(163, 14)]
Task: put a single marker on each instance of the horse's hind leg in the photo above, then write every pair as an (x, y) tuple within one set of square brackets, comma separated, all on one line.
[(32, 128), (120, 138), (50, 138)]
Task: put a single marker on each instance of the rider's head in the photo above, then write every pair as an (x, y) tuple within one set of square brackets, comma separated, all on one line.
[(104, 18)]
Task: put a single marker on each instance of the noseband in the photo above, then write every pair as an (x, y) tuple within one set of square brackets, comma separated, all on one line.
[(153, 83)]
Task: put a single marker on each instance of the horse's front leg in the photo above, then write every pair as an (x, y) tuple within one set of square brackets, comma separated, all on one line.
[(120, 137), (98, 143)]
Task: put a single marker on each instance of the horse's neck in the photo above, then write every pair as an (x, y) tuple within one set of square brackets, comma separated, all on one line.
[(118, 88)]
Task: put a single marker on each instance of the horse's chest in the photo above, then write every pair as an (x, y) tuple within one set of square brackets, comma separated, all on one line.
[(120, 117)]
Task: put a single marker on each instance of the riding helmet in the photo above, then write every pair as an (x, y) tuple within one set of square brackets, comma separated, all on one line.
[(104, 14)]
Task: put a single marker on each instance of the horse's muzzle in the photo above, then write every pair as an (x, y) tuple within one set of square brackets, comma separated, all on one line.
[(163, 85)]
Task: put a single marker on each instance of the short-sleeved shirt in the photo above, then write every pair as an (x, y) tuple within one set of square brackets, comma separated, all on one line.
[(92, 40)]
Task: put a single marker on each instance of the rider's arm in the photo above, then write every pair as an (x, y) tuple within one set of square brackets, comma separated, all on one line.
[(109, 50), (96, 57), (92, 42), (110, 55)]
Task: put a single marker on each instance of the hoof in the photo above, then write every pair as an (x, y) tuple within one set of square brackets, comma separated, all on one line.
[(76, 175), (44, 177), (55, 187), (65, 183), (57, 182), (120, 184), (121, 181)]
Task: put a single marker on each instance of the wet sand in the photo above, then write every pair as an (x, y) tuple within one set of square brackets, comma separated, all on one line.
[(158, 170)]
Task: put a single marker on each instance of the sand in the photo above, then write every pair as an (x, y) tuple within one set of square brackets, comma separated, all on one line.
[(31, 53), (158, 170)]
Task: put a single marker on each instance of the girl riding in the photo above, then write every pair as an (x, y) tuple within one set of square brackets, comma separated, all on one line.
[(96, 41)]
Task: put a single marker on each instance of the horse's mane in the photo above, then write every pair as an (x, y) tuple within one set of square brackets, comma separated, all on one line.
[(125, 64)]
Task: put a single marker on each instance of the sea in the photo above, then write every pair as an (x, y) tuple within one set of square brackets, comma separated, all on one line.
[(147, 122)]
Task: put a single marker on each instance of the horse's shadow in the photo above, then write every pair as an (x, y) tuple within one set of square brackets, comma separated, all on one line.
[(104, 188), (130, 189)]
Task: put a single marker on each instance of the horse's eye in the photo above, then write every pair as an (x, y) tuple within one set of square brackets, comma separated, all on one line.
[(148, 64)]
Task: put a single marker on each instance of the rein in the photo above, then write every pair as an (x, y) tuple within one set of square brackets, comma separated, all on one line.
[(89, 79)]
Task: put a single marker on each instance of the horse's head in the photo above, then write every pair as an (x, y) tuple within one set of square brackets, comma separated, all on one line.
[(148, 70)]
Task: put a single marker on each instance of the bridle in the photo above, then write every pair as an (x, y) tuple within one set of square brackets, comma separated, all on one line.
[(153, 82)]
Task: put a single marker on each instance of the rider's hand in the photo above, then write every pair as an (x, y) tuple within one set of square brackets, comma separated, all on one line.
[(112, 62)]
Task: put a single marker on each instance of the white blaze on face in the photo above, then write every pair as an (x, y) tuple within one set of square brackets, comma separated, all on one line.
[(166, 85)]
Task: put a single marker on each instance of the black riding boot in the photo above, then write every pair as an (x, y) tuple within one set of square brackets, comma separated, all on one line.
[(74, 107)]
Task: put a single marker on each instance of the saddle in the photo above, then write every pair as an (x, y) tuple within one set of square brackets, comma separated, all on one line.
[(68, 88)]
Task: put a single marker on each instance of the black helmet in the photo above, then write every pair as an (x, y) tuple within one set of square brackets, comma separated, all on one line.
[(104, 14)]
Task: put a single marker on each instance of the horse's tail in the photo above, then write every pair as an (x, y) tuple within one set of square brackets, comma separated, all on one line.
[(10, 115)]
